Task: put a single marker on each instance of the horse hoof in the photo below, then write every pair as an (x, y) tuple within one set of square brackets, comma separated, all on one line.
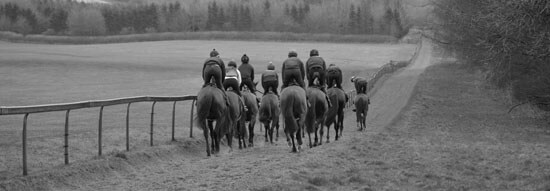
[(328, 141)]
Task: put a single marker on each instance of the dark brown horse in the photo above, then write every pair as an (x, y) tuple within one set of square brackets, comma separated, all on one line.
[(212, 106), (269, 115), (237, 114), (293, 108), (335, 114), (316, 113), (362, 102), (251, 115)]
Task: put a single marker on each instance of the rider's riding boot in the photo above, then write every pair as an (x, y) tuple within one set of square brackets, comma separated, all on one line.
[(225, 97), (326, 96), (244, 105)]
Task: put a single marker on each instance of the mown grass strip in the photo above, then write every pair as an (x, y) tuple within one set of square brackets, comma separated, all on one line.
[(209, 35)]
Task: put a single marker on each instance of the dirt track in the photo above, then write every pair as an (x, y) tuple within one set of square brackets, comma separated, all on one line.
[(437, 143)]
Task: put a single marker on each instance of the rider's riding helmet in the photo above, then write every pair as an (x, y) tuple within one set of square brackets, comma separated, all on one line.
[(244, 58), (214, 53), (232, 64), (292, 53), (270, 66), (314, 52)]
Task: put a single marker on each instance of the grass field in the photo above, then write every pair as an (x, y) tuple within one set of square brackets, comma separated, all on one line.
[(44, 74)]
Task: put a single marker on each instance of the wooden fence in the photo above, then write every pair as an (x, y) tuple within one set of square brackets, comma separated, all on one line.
[(26, 110)]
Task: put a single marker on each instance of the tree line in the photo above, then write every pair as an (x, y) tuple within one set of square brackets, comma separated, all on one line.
[(54, 17), (508, 39)]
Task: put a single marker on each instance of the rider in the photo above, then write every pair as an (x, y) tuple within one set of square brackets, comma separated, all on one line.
[(270, 79), (360, 85), (334, 76), (316, 64), (293, 69), (247, 74), (233, 80), (214, 68)]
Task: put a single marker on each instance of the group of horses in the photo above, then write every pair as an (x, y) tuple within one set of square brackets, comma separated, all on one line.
[(303, 112)]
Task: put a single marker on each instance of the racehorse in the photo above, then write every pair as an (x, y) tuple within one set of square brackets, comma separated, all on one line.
[(252, 104), (212, 106), (238, 112), (316, 114), (269, 115), (293, 107), (335, 114), (362, 102)]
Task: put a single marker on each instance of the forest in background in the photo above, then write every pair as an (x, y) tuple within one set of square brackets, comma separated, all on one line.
[(66, 17), (510, 40)]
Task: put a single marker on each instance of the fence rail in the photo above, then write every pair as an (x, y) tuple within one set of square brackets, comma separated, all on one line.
[(26, 110)]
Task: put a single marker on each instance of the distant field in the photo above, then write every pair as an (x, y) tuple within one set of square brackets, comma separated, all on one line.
[(45, 74)]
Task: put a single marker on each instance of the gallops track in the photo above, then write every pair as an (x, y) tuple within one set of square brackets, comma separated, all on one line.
[(264, 166)]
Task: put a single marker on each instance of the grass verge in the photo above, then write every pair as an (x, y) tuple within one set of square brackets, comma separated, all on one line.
[(209, 35)]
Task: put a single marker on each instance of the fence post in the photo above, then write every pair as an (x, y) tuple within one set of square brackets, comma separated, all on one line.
[(174, 121), (191, 123), (152, 118), (128, 127), (67, 137), (100, 130), (25, 144)]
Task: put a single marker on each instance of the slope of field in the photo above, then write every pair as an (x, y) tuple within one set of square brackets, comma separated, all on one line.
[(45, 74)]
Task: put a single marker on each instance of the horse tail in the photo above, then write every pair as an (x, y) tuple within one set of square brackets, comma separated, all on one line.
[(291, 126), (362, 104), (202, 112), (333, 111), (265, 111)]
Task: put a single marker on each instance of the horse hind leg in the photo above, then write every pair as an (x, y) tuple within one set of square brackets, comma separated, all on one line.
[(205, 132), (229, 138), (340, 123), (310, 144), (294, 150), (271, 129), (335, 124), (321, 131), (277, 131), (328, 132), (266, 133), (250, 135), (298, 138)]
